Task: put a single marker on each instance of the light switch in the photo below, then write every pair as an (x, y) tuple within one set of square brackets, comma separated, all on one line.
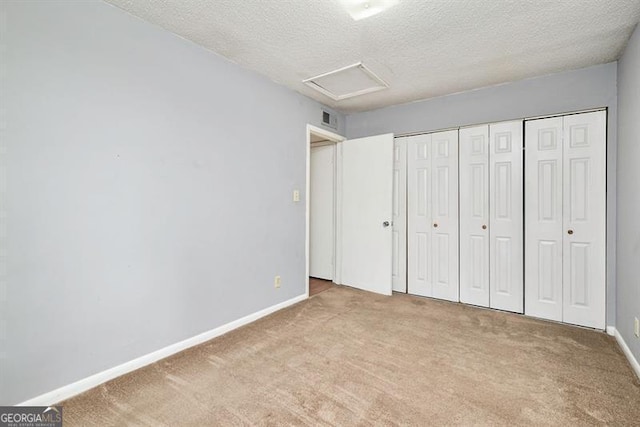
[(296, 195)]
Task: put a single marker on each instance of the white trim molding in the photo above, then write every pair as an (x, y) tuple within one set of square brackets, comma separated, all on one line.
[(92, 381), (625, 349), (611, 330)]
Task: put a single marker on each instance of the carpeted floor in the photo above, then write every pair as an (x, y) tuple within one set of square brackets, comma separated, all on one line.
[(346, 357), (318, 285)]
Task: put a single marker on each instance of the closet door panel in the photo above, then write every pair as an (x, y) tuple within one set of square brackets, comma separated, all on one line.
[(399, 267), (444, 239), (474, 215), (419, 207), (543, 218), (584, 195), (506, 217)]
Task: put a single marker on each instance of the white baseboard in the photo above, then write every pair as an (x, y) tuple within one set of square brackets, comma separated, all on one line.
[(611, 330), (85, 384), (627, 352)]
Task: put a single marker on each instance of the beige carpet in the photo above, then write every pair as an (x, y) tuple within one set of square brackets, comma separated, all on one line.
[(318, 285), (346, 357)]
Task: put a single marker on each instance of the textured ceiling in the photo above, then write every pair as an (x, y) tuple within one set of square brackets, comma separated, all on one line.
[(422, 48)]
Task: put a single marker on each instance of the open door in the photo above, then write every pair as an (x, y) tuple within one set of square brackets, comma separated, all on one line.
[(366, 213)]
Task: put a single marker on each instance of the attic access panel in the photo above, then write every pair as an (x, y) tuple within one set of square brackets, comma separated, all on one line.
[(347, 82)]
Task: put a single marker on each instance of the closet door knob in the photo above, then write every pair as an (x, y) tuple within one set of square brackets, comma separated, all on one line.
[(435, 225), (570, 232), (484, 227)]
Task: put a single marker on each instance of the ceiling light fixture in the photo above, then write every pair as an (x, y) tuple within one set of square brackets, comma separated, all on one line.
[(361, 9)]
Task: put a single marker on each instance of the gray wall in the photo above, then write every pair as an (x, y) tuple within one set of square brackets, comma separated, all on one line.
[(587, 88), (629, 187), (149, 192)]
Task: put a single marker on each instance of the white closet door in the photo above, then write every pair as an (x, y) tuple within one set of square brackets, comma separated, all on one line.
[(321, 216), (474, 215), (444, 240), (506, 222), (366, 211), (399, 269), (543, 217), (584, 219), (419, 215)]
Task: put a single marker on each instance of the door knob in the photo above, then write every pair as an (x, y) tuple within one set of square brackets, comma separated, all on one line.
[(385, 224), (570, 232), (484, 227), (435, 225)]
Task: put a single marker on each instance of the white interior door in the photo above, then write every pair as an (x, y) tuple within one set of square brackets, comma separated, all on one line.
[(584, 213), (474, 215), (432, 214), (543, 216), (566, 219), (366, 213), (419, 172), (321, 212), (445, 215), (506, 217), (399, 268)]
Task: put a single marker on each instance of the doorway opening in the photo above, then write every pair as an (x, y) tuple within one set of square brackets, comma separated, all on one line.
[(321, 210)]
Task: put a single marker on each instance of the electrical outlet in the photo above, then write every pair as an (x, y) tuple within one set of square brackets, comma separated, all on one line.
[(636, 327), (296, 195), (277, 281)]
